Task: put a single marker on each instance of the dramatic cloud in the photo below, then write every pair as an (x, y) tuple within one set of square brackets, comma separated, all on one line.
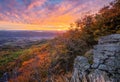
[(46, 13)]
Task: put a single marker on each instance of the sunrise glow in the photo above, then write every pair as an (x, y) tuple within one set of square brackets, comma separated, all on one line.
[(45, 14)]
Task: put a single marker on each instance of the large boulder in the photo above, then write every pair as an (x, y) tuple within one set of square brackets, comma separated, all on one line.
[(106, 62)]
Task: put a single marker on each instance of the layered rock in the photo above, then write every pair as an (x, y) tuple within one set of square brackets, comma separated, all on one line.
[(106, 62)]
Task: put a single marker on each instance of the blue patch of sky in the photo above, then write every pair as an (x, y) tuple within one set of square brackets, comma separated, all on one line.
[(20, 1), (53, 2)]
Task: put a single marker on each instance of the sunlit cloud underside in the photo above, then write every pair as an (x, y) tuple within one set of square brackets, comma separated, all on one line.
[(45, 14)]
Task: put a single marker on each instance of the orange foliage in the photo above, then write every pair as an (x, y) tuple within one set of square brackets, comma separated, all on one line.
[(33, 69)]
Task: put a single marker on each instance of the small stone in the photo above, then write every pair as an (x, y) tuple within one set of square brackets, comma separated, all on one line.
[(103, 67), (95, 65)]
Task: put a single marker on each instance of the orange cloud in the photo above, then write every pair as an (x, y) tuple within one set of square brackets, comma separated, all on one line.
[(45, 14)]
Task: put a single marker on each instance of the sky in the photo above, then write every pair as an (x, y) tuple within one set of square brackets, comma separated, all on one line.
[(45, 14)]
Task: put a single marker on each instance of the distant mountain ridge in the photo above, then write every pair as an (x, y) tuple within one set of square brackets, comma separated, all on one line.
[(29, 33)]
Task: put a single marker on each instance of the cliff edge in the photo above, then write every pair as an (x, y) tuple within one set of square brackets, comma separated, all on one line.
[(105, 66)]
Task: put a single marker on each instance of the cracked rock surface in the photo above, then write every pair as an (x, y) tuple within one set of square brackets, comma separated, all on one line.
[(106, 62)]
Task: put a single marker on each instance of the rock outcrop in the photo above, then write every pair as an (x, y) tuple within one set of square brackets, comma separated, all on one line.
[(106, 62)]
